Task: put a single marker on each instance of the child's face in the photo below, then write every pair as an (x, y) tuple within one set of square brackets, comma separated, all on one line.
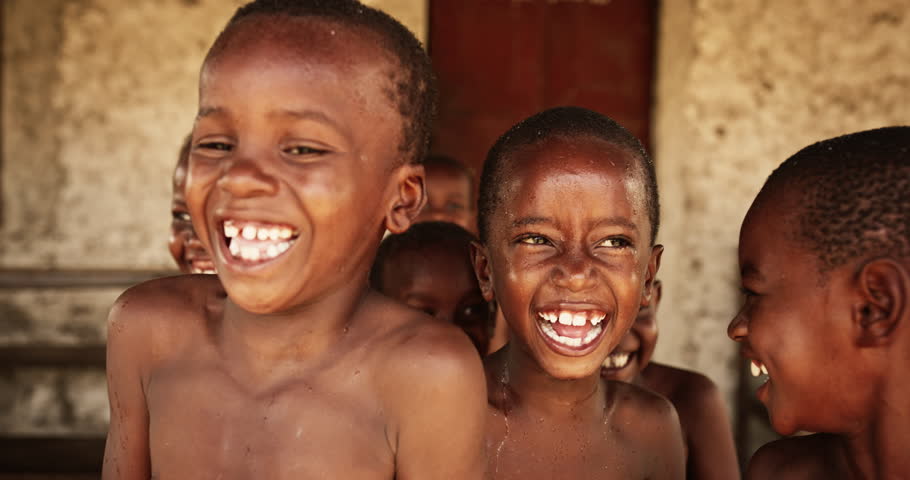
[(449, 199), (295, 167), (569, 252), (795, 328), (183, 243), (635, 349), (443, 285)]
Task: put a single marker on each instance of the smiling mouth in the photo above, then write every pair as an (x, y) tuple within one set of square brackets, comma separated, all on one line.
[(257, 242), (618, 360), (757, 369), (574, 329)]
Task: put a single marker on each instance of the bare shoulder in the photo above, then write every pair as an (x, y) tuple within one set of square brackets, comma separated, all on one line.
[(687, 390), (652, 413), (649, 429), (795, 457)]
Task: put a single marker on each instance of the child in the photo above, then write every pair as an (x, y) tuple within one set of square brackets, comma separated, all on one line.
[(184, 245), (710, 452), (428, 267), (567, 219), (824, 254), (312, 117), (450, 193)]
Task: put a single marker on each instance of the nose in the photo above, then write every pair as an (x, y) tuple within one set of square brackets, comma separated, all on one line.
[(738, 329), (575, 272), (245, 178)]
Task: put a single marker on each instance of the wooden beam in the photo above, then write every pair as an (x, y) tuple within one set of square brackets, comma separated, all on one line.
[(37, 278), (17, 356)]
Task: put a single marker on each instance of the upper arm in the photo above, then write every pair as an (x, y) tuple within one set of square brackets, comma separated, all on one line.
[(667, 434), (441, 413), (126, 452), (709, 436)]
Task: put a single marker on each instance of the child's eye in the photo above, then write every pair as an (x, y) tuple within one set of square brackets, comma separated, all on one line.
[(302, 150), (219, 146), (180, 216), (615, 242), (534, 240)]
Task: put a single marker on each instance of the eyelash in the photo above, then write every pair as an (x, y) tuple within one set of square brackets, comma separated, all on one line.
[(220, 146), (533, 239), (623, 242)]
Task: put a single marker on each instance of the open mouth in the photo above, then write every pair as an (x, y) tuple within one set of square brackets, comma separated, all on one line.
[(254, 243), (618, 360), (571, 329)]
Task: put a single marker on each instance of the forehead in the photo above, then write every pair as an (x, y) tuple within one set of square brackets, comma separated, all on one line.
[(768, 240), (417, 267), (590, 169), (299, 59)]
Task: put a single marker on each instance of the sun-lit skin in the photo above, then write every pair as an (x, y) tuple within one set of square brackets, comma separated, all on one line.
[(443, 285), (449, 198), (551, 415), (184, 245), (298, 370)]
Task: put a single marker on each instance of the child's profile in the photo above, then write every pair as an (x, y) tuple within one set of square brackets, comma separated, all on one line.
[(313, 119), (184, 245), (568, 214), (824, 257)]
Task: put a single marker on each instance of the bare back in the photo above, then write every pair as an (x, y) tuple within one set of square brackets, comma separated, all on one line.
[(635, 436), (352, 411)]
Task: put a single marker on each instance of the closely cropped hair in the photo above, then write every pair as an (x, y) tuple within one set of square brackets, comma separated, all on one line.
[(414, 90), (853, 195), (566, 122), (420, 238)]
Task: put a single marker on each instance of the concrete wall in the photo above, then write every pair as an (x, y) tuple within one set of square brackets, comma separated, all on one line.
[(97, 96), (741, 86)]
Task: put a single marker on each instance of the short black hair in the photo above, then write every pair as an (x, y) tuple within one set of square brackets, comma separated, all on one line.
[(420, 238), (450, 163), (567, 122), (852, 194), (414, 92)]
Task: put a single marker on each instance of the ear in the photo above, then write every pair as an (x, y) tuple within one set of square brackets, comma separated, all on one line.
[(481, 263), (883, 290), (647, 292), (409, 198)]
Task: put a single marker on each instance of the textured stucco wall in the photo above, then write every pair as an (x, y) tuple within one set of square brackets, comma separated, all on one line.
[(741, 86), (97, 95)]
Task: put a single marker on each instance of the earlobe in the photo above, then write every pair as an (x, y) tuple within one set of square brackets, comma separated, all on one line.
[(481, 265), (409, 198), (647, 292), (883, 288)]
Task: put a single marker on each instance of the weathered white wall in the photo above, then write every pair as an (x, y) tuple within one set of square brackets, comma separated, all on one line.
[(97, 96), (741, 86)]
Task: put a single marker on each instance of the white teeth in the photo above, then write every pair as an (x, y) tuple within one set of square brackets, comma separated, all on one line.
[(283, 246), (249, 253), (617, 360), (262, 234), (235, 249), (230, 231), (764, 369), (579, 320), (271, 252), (285, 233), (249, 232), (274, 233), (552, 317), (596, 320), (565, 318), (570, 341), (756, 370)]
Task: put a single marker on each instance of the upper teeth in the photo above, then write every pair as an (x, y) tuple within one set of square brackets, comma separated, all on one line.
[(757, 368), (257, 242), (577, 319), (617, 360), (252, 232)]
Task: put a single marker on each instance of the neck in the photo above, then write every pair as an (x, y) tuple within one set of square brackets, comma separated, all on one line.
[(532, 388), (879, 449)]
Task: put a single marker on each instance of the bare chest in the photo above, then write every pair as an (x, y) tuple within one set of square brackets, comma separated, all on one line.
[(202, 424), (540, 448)]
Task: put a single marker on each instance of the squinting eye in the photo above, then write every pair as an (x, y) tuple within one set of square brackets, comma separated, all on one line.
[(534, 240), (220, 146), (615, 243), (180, 216), (300, 150)]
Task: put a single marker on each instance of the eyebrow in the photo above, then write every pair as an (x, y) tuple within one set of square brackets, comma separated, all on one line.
[(621, 221), (522, 222), (209, 111)]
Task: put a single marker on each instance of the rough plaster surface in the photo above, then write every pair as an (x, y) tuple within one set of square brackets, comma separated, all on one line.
[(97, 96), (741, 86)]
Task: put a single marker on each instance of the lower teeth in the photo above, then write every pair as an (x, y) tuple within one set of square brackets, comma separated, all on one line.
[(570, 341)]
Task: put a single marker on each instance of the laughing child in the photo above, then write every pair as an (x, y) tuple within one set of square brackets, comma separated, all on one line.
[(428, 268), (312, 117), (568, 213), (450, 193), (710, 451), (824, 255), (183, 243)]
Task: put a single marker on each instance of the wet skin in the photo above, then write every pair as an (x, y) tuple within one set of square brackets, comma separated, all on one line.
[(298, 371), (798, 324), (551, 415), (449, 198), (710, 450), (184, 245), (441, 284)]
